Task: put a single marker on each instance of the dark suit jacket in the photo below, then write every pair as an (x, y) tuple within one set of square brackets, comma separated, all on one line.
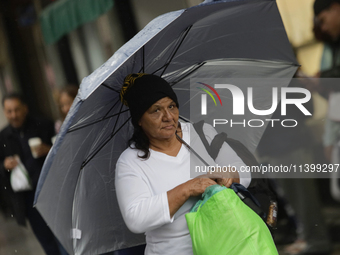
[(13, 142)]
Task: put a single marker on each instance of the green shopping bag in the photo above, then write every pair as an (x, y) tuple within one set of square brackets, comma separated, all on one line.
[(224, 225)]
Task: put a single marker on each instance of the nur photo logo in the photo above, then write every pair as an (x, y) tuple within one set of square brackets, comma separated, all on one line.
[(204, 97), (240, 99)]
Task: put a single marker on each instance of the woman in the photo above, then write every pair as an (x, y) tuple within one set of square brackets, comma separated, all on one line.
[(65, 100), (153, 182)]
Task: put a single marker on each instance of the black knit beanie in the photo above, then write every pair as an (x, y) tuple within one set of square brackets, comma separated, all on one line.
[(141, 90), (321, 5)]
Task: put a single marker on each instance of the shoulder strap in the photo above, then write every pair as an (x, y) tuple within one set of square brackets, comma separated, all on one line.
[(216, 144), (214, 148)]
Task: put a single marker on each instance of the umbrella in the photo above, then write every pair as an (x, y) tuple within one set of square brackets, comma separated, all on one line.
[(235, 39)]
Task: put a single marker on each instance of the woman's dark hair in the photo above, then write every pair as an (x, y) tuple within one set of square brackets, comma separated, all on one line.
[(140, 141), (319, 34)]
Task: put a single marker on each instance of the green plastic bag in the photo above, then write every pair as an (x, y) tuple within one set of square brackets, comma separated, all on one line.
[(225, 225)]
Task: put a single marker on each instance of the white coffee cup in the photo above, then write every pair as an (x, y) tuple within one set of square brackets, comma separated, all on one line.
[(34, 143)]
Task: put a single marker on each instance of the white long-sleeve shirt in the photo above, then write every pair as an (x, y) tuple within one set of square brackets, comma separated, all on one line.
[(142, 185)]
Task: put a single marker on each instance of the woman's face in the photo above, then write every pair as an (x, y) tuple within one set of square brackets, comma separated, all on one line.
[(65, 102), (160, 121), (330, 20)]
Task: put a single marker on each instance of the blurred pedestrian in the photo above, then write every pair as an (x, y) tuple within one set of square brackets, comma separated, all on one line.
[(327, 15), (327, 21), (65, 100), (16, 156)]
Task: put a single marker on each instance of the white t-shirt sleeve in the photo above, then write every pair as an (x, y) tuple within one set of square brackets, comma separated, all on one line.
[(141, 210), (227, 156)]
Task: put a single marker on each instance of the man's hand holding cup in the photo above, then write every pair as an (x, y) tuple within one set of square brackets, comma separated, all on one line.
[(38, 148)]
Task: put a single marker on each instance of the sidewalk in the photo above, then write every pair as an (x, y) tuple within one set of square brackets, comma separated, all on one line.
[(16, 240), (332, 217)]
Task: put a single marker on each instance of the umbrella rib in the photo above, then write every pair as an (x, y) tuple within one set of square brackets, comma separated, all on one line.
[(120, 111), (111, 136), (110, 88), (188, 73), (103, 145), (179, 45), (180, 40), (185, 119), (114, 105), (96, 121)]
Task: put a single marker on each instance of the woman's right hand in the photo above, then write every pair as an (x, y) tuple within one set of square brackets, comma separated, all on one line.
[(181, 193), (198, 185)]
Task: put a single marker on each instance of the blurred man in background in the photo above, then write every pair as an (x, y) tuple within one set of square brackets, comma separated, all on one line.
[(16, 154)]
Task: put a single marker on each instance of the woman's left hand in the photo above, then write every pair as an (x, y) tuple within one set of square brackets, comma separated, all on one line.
[(227, 181), (225, 178)]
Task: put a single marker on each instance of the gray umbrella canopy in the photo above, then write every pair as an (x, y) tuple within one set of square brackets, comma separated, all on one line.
[(234, 39)]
